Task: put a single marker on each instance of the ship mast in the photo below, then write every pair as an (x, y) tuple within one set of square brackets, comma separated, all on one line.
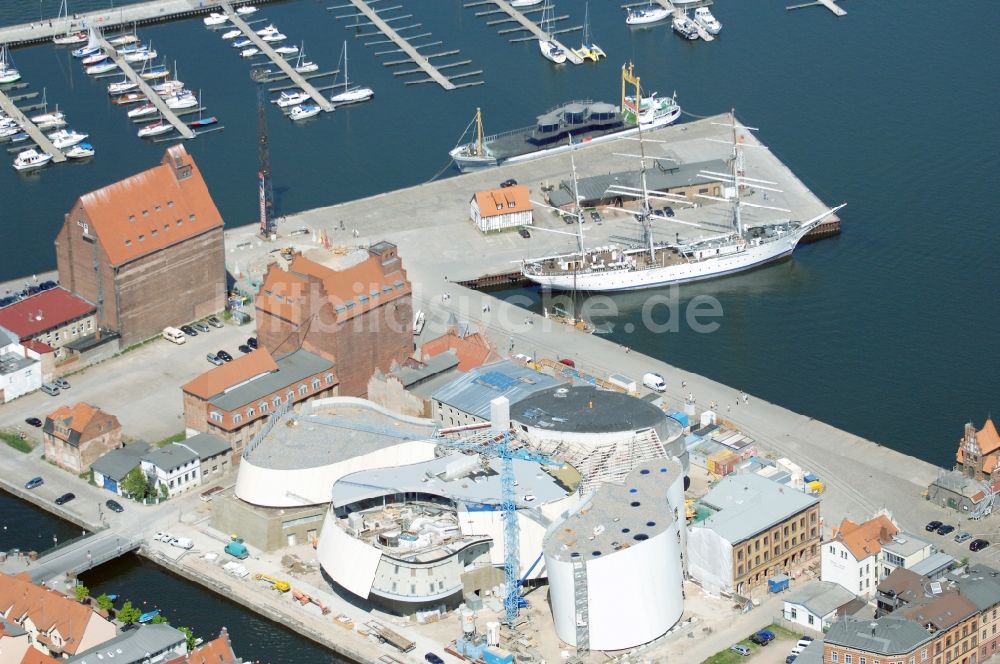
[(646, 208), (479, 132), (739, 171), (576, 203)]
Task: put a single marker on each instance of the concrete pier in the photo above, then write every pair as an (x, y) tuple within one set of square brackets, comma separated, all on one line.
[(829, 4), (421, 61), (36, 134), (277, 59), (165, 111), (534, 29)]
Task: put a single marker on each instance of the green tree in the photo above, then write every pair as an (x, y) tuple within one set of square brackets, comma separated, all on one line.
[(164, 492), (158, 618), (128, 614), (104, 602), (81, 592), (136, 484), (189, 633)]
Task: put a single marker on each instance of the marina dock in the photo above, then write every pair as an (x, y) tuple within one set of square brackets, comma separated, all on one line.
[(704, 34), (165, 111), (532, 27), (277, 58), (422, 61), (36, 134), (829, 4)]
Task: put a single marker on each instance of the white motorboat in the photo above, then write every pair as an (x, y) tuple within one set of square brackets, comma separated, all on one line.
[(274, 37), (245, 9), (127, 49), (304, 111), (550, 48), (519, 4), (121, 87), (242, 42), (93, 58), (704, 18), (30, 160), (46, 120), (646, 15), (140, 111), (232, 34), (155, 129), (215, 18), (80, 151), (168, 87), (8, 72), (65, 138), (685, 27), (249, 52), (306, 67), (140, 56), (9, 130), (181, 100), (127, 38), (101, 67), (350, 95), (291, 98), (287, 50), (268, 29), (55, 123)]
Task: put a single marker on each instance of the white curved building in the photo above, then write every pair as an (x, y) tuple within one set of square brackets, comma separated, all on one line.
[(618, 559), (297, 458), (602, 434), (424, 534)]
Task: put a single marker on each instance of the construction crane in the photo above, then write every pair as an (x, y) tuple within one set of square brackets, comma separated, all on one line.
[(268, 227), (277, 584)]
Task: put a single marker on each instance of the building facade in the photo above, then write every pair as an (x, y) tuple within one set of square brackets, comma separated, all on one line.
[(76, 436), (147, 251), (888, 640), (499, 209), (360, 316), (20, 367), (852, 557), (978, 452), (54, 317), (755, 529), (180, 467), (233, 400), (816, 604)]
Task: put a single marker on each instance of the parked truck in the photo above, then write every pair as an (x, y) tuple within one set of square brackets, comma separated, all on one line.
[(624, 382), (237, 549)]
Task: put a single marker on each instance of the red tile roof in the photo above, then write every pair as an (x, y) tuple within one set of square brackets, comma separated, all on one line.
[(241, 369), (38, 346), (48, 609), (153, 209), (472, 350), (506, 200), (75, 417), (865, 539), (43, 311), (216, 651), (35, 656)]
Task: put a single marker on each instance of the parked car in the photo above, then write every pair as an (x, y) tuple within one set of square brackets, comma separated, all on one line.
[(47, 285), (508, 183), (50, 389), (805, 637), (214, 359), (163, 537), (61, 383), (252, 342), (224, 356), (188, 330), (569, 219), (201, 327), (34, 421), (978, 545), (596, 216), (763, 637), (34, 482), (213, 321), (945, 529), (668, 211), (803, 643), (932, 526), (433, 659), (740, 650), (115, 506), (243, 348), (523, 232), (791, 658), (962, 537), (65, 498)]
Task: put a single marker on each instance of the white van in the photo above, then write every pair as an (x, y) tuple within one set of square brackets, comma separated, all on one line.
[(182, 543), (173, 334), (654, 381)]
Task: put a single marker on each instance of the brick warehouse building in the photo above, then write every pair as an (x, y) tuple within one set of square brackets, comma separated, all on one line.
[(361, 317), (147, 251)]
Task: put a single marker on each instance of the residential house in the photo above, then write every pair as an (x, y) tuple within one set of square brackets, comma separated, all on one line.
[(33, 656), (359, 314), (888, 640), (14, 643), (978, 451), (976, 476), (20, 367), (852, 557), (76, 436), (466, 400), (110, 469), (498, 209), (147, 251), (816, 604), (54, 317), (55, 624), (470, 345), (233, 400), (217, 651), (185, 465), (755, 529), (149, 644)]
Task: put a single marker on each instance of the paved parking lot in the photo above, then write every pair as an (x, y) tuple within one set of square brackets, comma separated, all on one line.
[(140, 387)]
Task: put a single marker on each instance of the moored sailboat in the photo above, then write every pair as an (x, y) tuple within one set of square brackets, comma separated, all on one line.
[(8, 72), (550, 48), (350, 95)]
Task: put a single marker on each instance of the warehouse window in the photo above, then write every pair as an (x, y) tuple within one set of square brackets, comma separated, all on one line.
[(329, 379), (216, 416), (262, 406), (237, 418), (289, 396), (277, 402), (303, 390), (316, 383), (250, 412)]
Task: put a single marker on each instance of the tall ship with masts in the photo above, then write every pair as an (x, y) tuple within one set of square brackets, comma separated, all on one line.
[(584, 121), (654, 264)]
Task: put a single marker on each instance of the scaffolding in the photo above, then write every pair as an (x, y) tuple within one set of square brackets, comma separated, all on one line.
[(609, 463)]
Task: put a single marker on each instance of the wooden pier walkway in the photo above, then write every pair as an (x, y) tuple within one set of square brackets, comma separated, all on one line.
[(165, 111), (534, 29), (30, 128), (418, 59), (829, 4), (277, 58)]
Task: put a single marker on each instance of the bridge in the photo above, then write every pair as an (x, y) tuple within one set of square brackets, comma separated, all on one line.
[(73, 557)]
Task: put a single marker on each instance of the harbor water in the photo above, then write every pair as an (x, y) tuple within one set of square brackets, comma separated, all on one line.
[(887, 331)]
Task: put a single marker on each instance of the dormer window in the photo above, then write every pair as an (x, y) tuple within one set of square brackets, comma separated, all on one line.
[(154, 232), (128, 243), (131, 217), (145, 213), (141, 237), (170, 204), (191, 217), (157, 208)]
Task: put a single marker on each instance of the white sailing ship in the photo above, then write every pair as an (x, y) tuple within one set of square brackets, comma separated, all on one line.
[(550, 48), (350, 95), (646, 15), (655, 264)]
